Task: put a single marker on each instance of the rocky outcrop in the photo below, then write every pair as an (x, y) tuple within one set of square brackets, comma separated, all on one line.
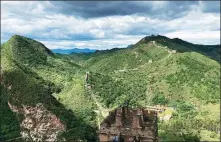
[(38, 124)]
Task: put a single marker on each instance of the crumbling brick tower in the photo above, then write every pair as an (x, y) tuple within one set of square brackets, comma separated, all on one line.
[(125, 124)]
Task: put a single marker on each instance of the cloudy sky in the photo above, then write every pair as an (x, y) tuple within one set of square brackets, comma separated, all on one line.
[(105, 25)]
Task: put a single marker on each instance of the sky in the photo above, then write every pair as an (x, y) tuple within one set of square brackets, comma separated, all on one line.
[(109, 24)]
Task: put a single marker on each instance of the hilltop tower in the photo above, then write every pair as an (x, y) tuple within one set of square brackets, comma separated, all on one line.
[(87, 82)]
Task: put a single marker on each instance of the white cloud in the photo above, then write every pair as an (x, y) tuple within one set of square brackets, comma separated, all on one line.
[(101, 44), (208, 37), (57, 30)]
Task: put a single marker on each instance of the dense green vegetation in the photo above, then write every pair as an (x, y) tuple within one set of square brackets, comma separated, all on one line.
[(9, 127), (29, 87), (148, 73)]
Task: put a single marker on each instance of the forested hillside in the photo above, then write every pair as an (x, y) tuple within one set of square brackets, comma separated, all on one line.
[(155, 71), (28, 89)]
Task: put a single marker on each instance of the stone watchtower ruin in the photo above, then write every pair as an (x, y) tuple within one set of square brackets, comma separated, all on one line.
[(125, 124), (87, 82)]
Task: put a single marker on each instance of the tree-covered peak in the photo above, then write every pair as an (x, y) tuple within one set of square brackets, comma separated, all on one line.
[(26, 50)]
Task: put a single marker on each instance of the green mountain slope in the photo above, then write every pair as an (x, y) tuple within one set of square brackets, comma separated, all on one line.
[(25, 50), (150, 49), (155, 71), (159, 71), (29, 88), (9, 122)]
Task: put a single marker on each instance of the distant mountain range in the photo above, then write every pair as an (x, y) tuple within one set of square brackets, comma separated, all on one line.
[(74, 50), (78, 50)]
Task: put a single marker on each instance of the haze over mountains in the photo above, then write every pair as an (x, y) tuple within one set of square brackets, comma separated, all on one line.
[(43, 90)]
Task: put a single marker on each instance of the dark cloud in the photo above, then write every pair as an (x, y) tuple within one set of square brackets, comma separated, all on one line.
[(96, 9), (211, 6), (164, 10)]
